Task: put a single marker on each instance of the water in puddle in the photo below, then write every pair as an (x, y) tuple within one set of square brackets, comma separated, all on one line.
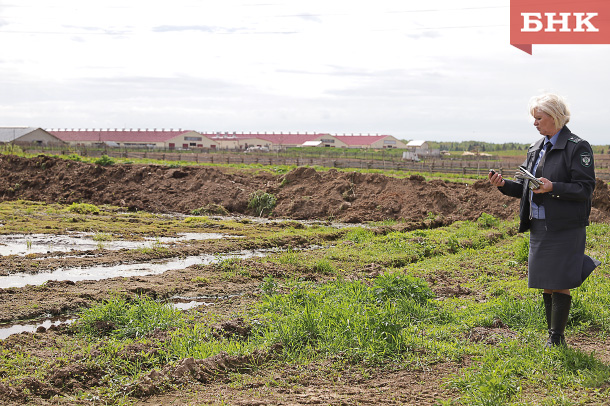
[(23, 244), (8, 330), (190, 304), (99, 272)]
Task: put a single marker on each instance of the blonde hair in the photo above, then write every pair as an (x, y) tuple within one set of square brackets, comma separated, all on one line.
[(553, 105)]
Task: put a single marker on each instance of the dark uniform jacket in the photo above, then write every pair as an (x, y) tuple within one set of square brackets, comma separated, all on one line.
[(569, 165)]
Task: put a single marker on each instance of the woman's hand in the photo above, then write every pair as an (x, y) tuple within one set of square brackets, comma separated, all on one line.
[(496, 179), (545, 187)]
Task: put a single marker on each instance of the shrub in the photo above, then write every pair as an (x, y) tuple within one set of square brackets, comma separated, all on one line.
[(105, 160), (262, 203), (487, 221), (75, 157)]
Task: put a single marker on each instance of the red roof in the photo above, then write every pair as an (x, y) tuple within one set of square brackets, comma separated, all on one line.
[(122, 136), (117, 136)]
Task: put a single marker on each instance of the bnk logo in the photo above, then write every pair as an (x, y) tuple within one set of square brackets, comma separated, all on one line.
[(532, 22), (559, 22)]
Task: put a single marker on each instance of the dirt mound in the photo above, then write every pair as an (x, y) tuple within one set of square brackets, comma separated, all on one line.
[(68, 379), (9, 394), (302, 193), (601, 196), (232, 329), (200, 370)]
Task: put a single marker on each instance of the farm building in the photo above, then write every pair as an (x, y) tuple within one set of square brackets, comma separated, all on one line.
[(182, 139), (290, 140), (276, 141), (163, 139), (421, 149), (370, 141), (27, 135), (420, 145), (273, 141)]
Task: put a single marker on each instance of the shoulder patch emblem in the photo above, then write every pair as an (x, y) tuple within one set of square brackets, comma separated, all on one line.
[(585, 159), (575, 139)]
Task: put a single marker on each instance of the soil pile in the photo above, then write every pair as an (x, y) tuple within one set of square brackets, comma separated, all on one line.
[(303, 193)]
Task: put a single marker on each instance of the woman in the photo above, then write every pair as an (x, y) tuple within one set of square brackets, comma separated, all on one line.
[(557, 211)]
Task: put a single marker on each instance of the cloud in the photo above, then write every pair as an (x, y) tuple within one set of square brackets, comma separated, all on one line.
[(332, 70), (202, 28), (215, 30), (81, 33), (428, 34), (315, 18)]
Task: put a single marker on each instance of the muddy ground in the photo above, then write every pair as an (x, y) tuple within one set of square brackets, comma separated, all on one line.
[(302, 194)]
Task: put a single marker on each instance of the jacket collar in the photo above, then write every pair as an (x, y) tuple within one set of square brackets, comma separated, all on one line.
[(562, 139)]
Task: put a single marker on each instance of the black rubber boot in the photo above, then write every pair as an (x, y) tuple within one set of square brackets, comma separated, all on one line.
[(548, 309), (559, 319)]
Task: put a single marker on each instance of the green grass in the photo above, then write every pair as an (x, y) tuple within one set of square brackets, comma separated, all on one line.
[(119, 318), (345, 313), (100, 237), (396, 248), (395, 317), (83, 208), (351, 319), (503, 371)]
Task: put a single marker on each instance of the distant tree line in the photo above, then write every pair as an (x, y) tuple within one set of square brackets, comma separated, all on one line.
[(476, 146), (479, 146)]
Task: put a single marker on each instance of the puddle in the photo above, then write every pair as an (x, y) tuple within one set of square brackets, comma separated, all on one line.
[(187, 303), (9, 330), (23, 244), (100, 272), (192, 304)]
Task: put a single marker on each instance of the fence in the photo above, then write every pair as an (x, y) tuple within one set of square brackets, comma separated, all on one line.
[(470, 166)]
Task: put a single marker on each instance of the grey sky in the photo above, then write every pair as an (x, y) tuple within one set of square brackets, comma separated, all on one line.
[(437, 70)]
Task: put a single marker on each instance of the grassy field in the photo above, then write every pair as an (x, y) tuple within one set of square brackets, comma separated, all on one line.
[(371, 297)]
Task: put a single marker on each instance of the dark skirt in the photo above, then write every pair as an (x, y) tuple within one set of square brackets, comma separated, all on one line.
[(557, 259)]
